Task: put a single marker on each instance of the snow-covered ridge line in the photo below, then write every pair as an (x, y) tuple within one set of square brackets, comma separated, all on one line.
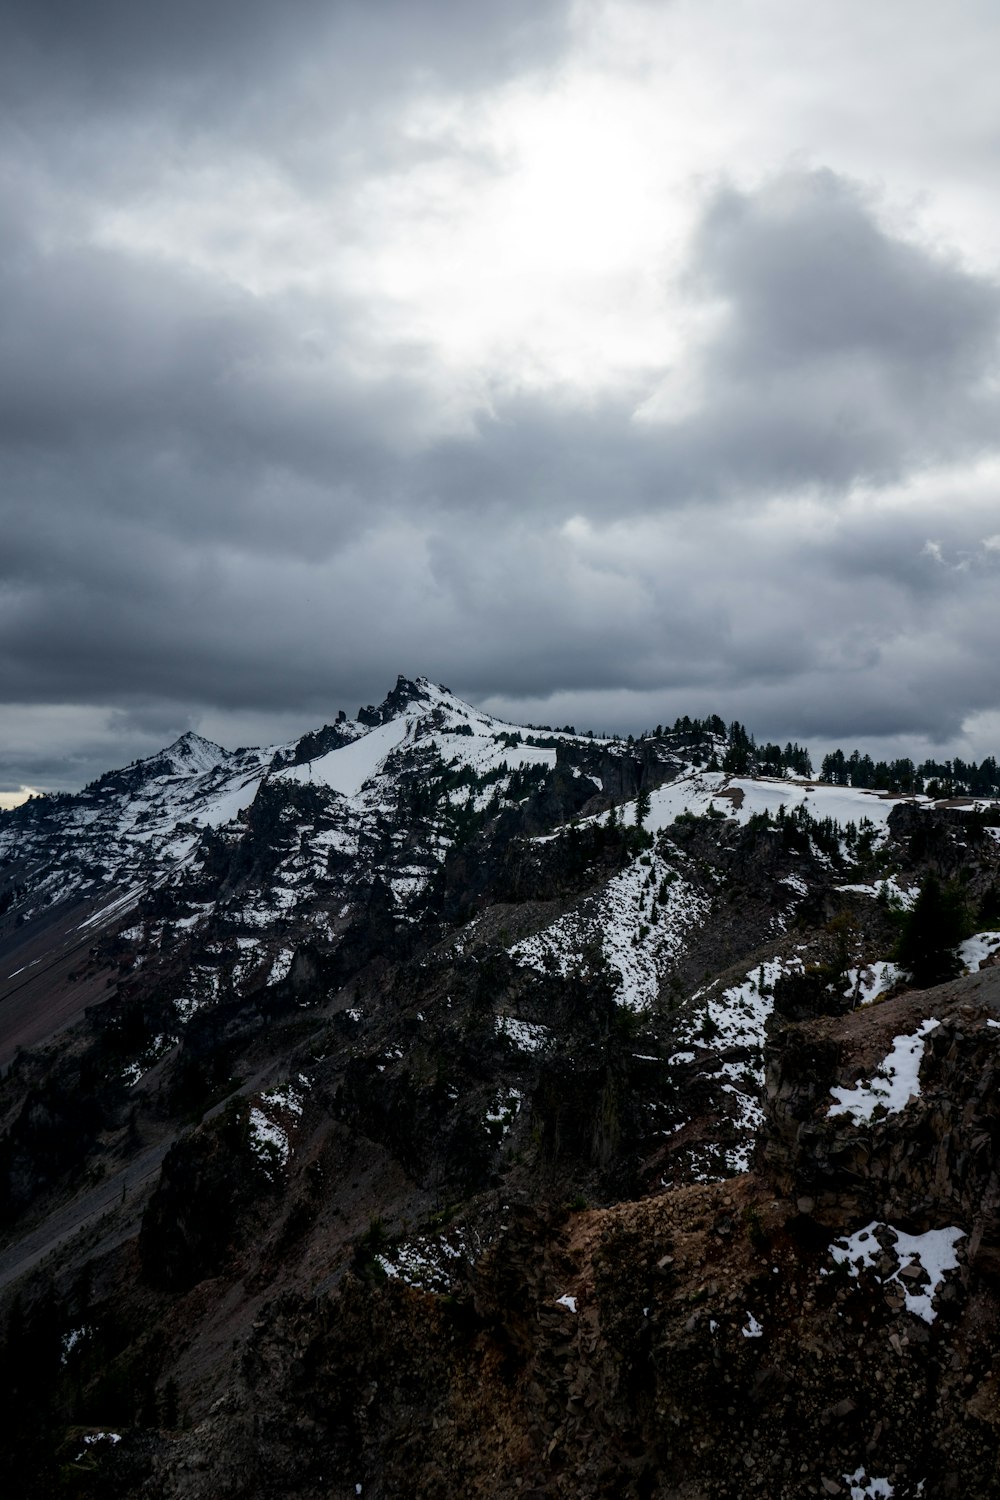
[(351, 813)]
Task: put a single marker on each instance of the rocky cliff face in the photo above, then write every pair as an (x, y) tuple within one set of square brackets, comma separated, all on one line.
[(392, 1111)]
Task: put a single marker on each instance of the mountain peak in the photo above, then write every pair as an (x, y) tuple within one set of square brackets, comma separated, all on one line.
[(192, 752), (396, 701)]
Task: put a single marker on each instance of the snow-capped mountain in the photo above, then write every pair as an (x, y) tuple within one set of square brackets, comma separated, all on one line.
[(334, 1034), (144, 825)]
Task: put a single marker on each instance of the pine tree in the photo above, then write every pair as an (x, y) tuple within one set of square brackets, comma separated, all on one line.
[(932, 931), (642, 806)]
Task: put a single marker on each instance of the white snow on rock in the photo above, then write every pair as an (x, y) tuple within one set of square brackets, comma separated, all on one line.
[(285, 1096), (269, 1140), (346, 770), (527, 1036), (866, 984), (566, 1301), (752, 1329), (734, 1021), (738, 1016), (636, 924), (281, 966), (902, 898), (864, 1488), (504, 1109), (431, 1264), (978, 947), (73, 1337), (192, 753), (934, 1251), (895, 1083)]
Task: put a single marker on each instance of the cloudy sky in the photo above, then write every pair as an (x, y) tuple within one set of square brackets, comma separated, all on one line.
[(603, 359)]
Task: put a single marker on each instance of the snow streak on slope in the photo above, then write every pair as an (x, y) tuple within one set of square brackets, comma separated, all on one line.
[(636, 924), (346, 770), (732, 1023)]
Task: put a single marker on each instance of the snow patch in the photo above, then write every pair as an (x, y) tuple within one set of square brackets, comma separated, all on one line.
[(636, 924), (525, 1035), (430, 1264), (895, 1083), (268, 1138), (978, 947), (347, 769), (864, 1488), (934, 1251), (268, 1142), (866, 984), (504, 1110)]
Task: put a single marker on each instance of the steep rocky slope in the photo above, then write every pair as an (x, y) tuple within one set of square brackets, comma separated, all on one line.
[(392, 1110)]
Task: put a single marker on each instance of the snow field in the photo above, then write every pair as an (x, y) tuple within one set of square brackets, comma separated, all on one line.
[(346, 770), (698, 792)]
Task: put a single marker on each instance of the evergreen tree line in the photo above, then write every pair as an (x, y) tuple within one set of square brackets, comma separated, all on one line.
[(740, 753), (948, 778), (801, 831)]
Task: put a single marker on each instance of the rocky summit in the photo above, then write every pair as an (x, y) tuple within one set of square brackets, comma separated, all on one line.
[(437, 1106)]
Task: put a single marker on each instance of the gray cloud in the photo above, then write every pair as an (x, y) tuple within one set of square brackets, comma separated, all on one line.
[(113, 52), (239, 509), (845, 353)]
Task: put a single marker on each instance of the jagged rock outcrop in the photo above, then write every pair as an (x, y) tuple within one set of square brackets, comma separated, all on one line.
[(920, 1163)]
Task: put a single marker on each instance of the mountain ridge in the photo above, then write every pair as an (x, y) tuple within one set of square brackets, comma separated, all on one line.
[(344, 1033)]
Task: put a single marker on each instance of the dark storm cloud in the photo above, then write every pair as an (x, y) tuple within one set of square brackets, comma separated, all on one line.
[(218, 502), (844, 352), (112, 51), (99, 346)]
